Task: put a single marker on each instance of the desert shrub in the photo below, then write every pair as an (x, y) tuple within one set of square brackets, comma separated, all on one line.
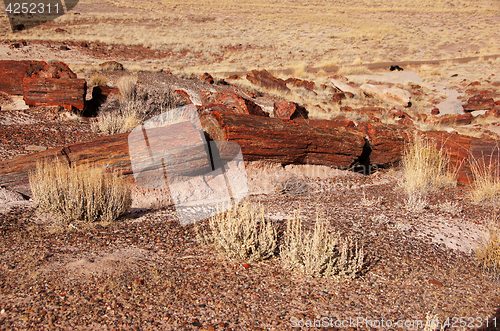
[(117, 116), (87, 194), (486, 178), (134, 106), (127, 86), (241, 233), (489, 255), (425, 167), (320, 254), (98, 80)]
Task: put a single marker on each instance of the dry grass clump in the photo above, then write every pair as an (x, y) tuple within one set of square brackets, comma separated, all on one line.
[(425, 167), (87, 194), (489, 255), (486, 178), (241, 233), (134, 106), (98, 80), (127, 86), (320, 254)]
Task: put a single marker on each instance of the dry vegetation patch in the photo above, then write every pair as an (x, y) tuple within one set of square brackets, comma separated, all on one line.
[(87, 193)]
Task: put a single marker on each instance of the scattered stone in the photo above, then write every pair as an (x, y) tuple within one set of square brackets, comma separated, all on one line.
[(308, 85), (346, 87), (232, 101), (390, 95), (84, 44), (233, 77), (184, 96), (64, 48), (59, 30), (111, 65), (435, 111), (246, 265), (15, 45), (289, 110), (476, 83), (456, 119), (265, 79), (35, 148), (436, 283), (478, 102), (53, 70), (207, 78)]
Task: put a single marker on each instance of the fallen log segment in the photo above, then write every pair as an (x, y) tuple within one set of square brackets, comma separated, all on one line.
[(336, 143), (322, 142), (283, 141), (467, 153), (114, 153)]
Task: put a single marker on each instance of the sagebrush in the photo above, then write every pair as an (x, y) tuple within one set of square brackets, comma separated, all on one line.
[(319, 253), (241, 233), (86, 193), (425, 167)]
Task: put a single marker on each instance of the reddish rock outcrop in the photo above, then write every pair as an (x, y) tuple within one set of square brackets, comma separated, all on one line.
[(456, 119), (207, 78), (53, 85), (287, 110), (232, 101), (184, 96), (111, 65), (295, 82), (478, 102), (53, 70), (12, 74), (265, 79)]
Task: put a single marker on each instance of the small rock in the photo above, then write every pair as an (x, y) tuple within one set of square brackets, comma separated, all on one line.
[(289, 110), (478, 102), (111, 65), (396, 67), (435, 111), (246, 265), (64, 48), (233, 77), (35, 148), (59, 30), (265, 79), (207, 78), (436, 283)]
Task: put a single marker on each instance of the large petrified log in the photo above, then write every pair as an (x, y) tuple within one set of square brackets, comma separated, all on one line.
[(67, 92), (12, 74), (337, 143), (468, 152), (54, 85)]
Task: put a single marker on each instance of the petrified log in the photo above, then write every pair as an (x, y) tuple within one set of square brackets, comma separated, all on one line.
[(468, 152), (336, 143), (12, 74), (186, 155), (286, 142), (265, 79), (67, 92)]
